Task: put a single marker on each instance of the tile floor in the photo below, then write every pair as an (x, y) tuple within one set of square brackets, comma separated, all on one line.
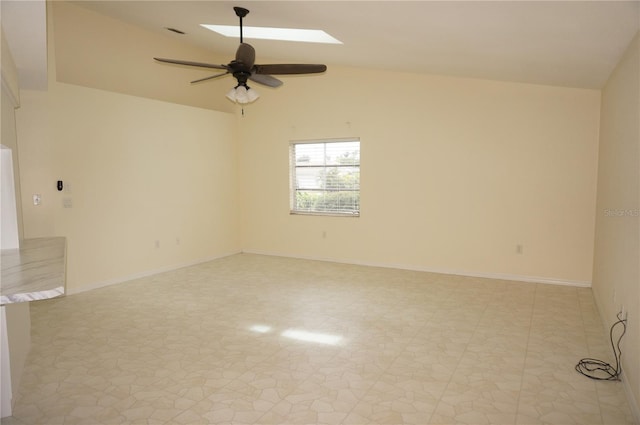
[(253, 339)]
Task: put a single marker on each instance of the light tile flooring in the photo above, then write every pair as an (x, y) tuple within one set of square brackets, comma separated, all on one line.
[(253, 339)]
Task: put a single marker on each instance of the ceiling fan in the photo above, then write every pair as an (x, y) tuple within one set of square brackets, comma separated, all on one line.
[(244, 68)]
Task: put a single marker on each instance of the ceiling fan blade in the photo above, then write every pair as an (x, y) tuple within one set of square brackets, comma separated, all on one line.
[(209, 78), (289, 68), (266, 80), (246, 55), (189, 63)]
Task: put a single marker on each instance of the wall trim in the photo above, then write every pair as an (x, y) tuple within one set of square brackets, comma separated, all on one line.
[(146, 273), (498, 276)]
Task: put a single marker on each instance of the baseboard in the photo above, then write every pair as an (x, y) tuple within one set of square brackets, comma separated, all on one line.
[(521, 278), (146, 273), (498, 276)]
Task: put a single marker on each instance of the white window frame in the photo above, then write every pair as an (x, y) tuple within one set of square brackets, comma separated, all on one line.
[(293, 186)]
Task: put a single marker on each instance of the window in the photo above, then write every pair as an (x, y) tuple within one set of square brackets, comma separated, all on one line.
[(325, 177)]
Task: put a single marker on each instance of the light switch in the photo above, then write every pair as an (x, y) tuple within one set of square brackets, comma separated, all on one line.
[(37, 199)]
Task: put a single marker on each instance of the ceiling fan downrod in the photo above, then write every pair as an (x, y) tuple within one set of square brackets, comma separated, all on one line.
[(241, 12)]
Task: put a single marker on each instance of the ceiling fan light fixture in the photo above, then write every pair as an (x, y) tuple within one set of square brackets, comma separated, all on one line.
[(252, 95), (231, 95), (242, 94)]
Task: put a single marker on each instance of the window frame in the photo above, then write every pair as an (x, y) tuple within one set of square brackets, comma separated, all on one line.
[(293, 189)]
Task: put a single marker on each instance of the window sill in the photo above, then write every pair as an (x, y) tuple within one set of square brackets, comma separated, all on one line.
[(326, 214)]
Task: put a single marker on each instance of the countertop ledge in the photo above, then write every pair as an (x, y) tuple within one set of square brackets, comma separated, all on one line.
[(35, 271)]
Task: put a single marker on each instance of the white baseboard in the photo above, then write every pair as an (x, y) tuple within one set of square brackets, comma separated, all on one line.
[(499, 276), (146, 273)]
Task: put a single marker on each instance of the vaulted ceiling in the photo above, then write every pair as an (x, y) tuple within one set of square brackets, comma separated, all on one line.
[(564, 43)]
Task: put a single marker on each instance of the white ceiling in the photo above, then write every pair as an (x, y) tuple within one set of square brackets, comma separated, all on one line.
[(565, 43)]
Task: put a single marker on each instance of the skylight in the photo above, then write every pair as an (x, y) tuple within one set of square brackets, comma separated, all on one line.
[(266, 33), (312, 336), (261, 329)]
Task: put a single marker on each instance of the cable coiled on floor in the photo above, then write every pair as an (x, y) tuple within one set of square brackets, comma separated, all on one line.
[(600, 370)]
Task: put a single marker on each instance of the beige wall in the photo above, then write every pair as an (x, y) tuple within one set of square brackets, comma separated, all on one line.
[(455, 173), (616, 274), (136, 171)]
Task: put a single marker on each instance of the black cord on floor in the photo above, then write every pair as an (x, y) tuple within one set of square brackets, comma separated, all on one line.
[(602, 371)]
